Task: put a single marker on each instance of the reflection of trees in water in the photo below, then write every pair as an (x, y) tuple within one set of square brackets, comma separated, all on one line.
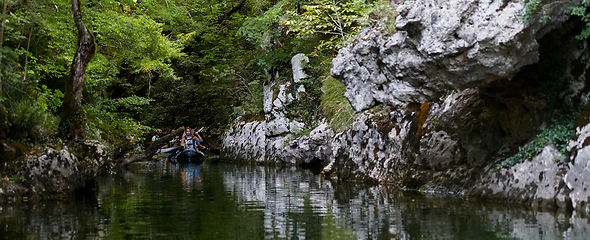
[(66, 219)]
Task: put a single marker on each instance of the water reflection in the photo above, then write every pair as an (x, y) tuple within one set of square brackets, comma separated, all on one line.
[(189, 174), (230, 201)]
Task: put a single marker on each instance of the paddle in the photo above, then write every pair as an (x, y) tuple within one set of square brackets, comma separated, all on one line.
[(207, 124), (172, 157)]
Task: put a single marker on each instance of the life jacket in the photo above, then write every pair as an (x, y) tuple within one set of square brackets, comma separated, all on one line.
[(190, 141), (156, 137)]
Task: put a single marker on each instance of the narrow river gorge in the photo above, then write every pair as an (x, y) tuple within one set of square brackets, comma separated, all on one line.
[(232, 201)]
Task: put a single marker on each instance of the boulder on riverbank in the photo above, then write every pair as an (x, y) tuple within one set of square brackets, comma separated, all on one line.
[(53, 173)]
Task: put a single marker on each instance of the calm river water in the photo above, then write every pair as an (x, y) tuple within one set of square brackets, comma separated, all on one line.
[(231, 201)]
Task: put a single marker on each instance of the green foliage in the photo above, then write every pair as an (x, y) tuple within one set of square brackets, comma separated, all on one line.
[(24, 117), (307, 106), (262, 28), (50, 100), (338, 18), (530, 8), (580, 10), (52, 22), (115, 128), (15, 178), (8, 63), (559, 133), (126, 105), (385, 10), (136, 40), (335, 106)]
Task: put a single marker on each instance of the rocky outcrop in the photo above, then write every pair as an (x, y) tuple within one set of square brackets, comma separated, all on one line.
[(278, 139), (53, 173), (437, 144), (549, 180), (460, 87), (442, 45), (577, 178)]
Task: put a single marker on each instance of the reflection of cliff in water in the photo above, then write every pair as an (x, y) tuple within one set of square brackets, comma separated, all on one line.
[(384, 211)]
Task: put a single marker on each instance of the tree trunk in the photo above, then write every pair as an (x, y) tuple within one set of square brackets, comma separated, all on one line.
[(71, 126), (149, 152)]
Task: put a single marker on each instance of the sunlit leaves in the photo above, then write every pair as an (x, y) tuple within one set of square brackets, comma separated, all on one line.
[(101, 70), (50, 28), (135, 40), (261, 28), (333, 17)]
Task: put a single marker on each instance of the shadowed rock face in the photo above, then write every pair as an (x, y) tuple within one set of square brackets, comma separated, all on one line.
[(442, 45)]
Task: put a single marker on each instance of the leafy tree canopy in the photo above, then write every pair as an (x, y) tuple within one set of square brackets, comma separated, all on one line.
[(160, 63)]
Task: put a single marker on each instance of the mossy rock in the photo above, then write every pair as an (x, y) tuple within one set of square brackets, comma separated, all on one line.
[(91, 154), (81, 150), (12, 151)]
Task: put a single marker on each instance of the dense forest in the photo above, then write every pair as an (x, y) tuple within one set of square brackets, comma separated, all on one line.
[(162, 63)]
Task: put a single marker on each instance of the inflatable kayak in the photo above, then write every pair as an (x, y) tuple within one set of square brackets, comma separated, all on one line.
[(188, 155)]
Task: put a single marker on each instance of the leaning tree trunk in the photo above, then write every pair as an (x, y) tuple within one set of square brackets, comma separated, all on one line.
[(71, 126), (149, 152)]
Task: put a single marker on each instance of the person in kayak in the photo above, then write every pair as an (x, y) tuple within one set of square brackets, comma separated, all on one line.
[(157, 136), (175, 141), (191, 141)]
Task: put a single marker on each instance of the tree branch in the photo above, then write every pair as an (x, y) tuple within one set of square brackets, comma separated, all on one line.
[(152, 149)]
